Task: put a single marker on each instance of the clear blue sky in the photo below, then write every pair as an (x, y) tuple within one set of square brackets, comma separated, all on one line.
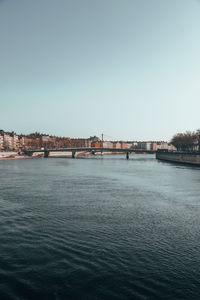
[(126, 68)]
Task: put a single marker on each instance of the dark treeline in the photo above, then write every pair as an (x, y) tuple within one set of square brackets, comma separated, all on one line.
[(188, 141)]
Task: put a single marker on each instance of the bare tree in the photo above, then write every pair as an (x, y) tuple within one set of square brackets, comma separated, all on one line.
[(185, 141), (198, 138)]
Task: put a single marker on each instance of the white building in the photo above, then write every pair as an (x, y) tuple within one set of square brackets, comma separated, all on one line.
[(1, 142), (162, 146), (148, 146), (107, 144), (8, 141), (171, 147), (45, 138), (15, 142)]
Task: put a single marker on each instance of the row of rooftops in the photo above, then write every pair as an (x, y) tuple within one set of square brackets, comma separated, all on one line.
[(91, 138)]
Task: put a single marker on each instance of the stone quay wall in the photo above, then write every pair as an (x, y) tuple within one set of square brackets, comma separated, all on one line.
[(179, 157)]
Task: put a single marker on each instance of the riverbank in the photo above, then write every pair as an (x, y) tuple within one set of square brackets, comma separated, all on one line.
[(8, 156), (15, 155), (11, 155), (192, 158)]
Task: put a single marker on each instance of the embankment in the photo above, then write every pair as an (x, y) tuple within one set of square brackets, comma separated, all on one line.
[(180, 157), (8, 155)]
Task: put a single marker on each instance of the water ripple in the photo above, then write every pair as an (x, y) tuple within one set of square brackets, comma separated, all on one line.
[(99, 229)]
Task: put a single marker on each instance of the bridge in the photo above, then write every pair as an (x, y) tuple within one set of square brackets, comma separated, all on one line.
[(88, 149)]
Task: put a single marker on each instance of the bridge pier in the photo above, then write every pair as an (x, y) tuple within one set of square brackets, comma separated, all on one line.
[(46, 154), (73, 154), (127, 155)]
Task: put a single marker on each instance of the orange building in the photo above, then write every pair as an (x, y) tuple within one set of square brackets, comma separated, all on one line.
[(123, 145), (96, 144), (154, 146)]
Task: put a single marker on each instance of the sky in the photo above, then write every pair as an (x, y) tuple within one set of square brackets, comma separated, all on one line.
[(127, 68)]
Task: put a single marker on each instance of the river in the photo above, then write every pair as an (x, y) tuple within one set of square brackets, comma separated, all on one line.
[(99, 228)]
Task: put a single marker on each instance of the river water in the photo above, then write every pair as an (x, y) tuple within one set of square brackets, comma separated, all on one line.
[(99, 228)]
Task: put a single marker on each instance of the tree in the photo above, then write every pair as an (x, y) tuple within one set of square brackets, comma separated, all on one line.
[(198, 138), (185, 141)]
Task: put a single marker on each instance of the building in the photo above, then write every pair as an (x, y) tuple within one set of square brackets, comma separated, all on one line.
[(80, 142), (129, 145), (122, 145), (162, 146), (116, 145), (149, 146), (7, 141), (10, 141), (141, 146), (154, 146), (45, 138), (172, 148), (15, 142), (107, 144), (1, 142), (96, 144), (134, 145)]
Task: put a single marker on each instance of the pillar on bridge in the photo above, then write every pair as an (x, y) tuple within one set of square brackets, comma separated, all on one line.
[(127, 155), (73, 154), (46, 153)]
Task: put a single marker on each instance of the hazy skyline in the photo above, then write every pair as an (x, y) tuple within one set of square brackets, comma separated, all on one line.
[(129, 69)]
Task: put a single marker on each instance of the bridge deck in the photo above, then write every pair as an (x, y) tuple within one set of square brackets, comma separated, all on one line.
[(87, 149)]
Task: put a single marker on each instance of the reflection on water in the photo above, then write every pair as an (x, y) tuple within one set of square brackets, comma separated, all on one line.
[(99, 228)]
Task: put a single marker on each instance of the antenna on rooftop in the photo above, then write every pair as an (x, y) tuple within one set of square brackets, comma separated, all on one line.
[(102, 139)]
